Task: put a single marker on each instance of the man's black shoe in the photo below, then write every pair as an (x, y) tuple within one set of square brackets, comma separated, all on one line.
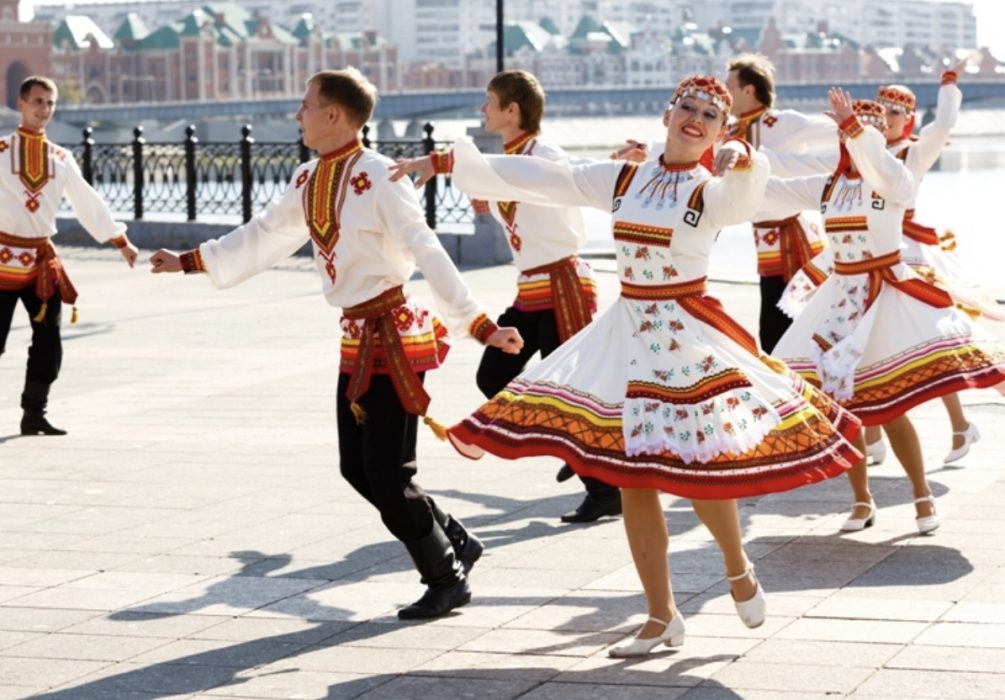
[(593, 507), (564, 474)]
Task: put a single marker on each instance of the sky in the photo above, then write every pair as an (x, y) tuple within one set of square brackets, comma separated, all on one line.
[(990, 19)]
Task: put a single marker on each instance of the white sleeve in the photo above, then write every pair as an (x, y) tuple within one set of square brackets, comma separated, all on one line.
[(811, 131), (800, 164), (890, 178), (533, 180), (785, 197), (933, 136), (88, 206), (400, 216), (734, 197), (270, 236)]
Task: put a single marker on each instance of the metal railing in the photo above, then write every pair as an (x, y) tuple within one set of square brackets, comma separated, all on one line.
[(237, 178)]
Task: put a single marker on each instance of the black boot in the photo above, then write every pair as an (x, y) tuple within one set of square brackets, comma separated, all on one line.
[(597, 504), (33, 401), (467, 548), (564, 473), (446, 586)]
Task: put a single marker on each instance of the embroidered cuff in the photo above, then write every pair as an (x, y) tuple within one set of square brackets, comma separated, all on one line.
[(191, 262), (120, 241), (443, 161), (851, 127), (482, 327), (743, 162), (949, 77)]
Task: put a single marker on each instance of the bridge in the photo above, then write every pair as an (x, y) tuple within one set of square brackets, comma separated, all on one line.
[(561, 101)]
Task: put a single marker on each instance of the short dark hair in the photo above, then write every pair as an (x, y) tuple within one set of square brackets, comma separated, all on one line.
[(350, 90), (520, 87), (32, 80), (757, 70)]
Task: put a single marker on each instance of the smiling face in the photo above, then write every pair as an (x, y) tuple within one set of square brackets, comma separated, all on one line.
[(37, 108), (693, 125), (498, 118), (896, 122)]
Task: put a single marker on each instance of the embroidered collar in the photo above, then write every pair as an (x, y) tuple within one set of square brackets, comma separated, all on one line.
[(677, 168), (30, 134), (342, 152), (517, 144)]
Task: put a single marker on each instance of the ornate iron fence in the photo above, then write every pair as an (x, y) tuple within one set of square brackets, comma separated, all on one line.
[(232, 178)]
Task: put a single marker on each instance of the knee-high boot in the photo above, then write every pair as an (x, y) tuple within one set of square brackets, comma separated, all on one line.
[(446, 585), (467, 547), (34, 400)]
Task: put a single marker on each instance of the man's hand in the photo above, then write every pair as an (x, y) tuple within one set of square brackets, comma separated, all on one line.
[(633, 151), (129, 253), (841, 107), (408, 166), (165, 261), (506, 339)]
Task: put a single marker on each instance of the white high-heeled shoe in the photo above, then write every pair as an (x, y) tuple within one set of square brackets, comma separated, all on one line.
[(754, 610), (875, 452), (672, 636), (927, 523), (970, 436), (856, 524)]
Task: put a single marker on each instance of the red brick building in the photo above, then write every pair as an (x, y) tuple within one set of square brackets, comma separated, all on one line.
[(25, 49)]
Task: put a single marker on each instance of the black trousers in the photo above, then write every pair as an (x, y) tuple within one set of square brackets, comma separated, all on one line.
[(377, 458), (45, 354), (773, 321), (497, 369)]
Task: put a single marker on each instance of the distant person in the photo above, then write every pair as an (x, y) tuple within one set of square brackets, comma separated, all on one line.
[(556, 295), (368, 234), (35, 175)]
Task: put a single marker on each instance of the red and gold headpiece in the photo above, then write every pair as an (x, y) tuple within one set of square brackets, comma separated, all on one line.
[(705, 87), (897, 97), (870, 112)]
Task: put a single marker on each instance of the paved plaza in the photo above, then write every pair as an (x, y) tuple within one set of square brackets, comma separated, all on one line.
[(191, 536)]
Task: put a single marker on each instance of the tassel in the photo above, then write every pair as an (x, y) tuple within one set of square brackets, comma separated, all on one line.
[(74, 316), (947, 241), (358, 413), (40, 316), (438, 429)]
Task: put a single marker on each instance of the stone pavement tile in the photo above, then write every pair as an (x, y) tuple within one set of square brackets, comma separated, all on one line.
[(729, 625), (495, 607), (959, 658), (719, 602), (20, 671), (499, 577), (798, 652), (98, 520), (514, 641), (685, 666), (161, 680), (464, 664), (10, 639), (354, 659), (599, 691), (585, 611), (41, 619), (985, 613), (434, 688), (132, 544), (239, 629), (897, 683), (806, 551), (986, 593), (215, 652), (350, 601), (963, 634), (152, 583), (19, 692), (850, 605), (263, 682), (710, 690), (870, 631), (87, 647), (54, 558), (403, 635), (814, 678), (626, 579), (10, 594), (182, 564), (82, 599), (232, 595), (129, 623), (39, 578)]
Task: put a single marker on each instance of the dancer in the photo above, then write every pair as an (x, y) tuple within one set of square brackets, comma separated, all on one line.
[(35, 175), (784, 245), (875, 335), (556, 294), (367, 235), (663, 391)]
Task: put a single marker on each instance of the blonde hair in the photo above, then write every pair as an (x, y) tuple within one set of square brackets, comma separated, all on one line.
[(350, 90)]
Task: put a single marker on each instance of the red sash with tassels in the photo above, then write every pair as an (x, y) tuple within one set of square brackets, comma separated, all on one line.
[(49, 274), (692, 298), (917, 232), (569, 300), (796, 249), (880, 271)]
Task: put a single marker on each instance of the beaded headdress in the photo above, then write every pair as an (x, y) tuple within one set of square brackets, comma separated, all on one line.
[(897, 96), (870, 112), (705, 87)]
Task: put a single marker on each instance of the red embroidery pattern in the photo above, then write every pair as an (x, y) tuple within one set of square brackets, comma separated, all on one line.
[(324, 198), (6, 255), (3, 146), (26, 259), (770, 121), (302, 178), (403, 318), (361, 183), (36, 169)]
